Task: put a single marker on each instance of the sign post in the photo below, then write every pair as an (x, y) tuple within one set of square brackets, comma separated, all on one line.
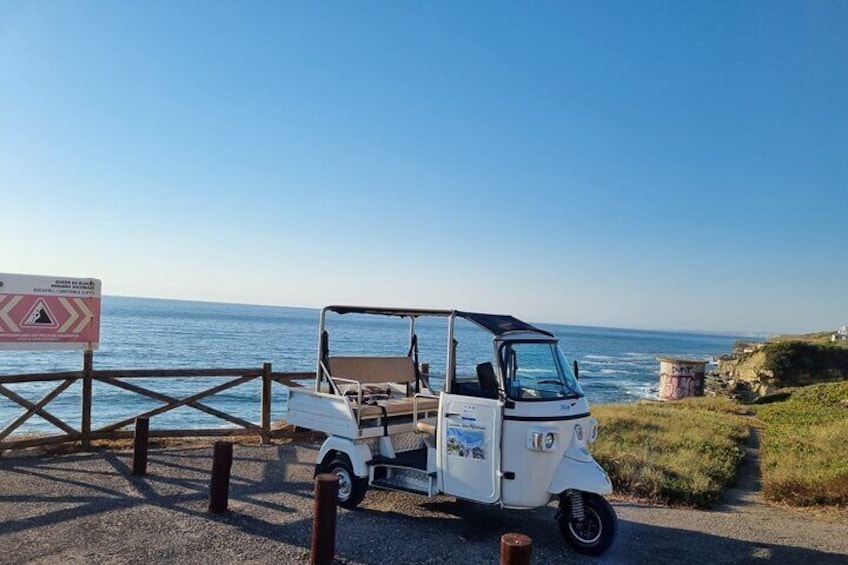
[(41, 312)]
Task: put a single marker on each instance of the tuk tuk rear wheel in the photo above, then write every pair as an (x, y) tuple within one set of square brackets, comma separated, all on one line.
[(595, 533), (351, 488)]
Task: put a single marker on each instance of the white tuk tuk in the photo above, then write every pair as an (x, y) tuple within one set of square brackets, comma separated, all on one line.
[(514, 435)]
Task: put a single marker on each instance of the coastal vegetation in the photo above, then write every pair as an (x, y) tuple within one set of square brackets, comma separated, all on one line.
[(803, 449), (680, 453), (687, 452)]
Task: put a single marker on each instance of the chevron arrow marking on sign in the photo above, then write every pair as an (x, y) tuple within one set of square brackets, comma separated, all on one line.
[(86, 315), (71, 311), (4, 313)]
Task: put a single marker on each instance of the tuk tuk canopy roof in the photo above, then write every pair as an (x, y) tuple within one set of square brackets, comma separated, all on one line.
[(497, 324), (379, 311)]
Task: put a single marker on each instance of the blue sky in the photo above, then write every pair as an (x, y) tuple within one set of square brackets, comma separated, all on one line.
[(653, 164)]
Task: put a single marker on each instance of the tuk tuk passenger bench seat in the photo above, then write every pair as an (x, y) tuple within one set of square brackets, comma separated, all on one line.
[(378, 373)]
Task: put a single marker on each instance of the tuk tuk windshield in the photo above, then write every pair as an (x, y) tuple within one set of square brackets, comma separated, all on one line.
[(538, 371)]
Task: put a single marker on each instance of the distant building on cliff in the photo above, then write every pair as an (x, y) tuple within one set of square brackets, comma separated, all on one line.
[(841, 334)]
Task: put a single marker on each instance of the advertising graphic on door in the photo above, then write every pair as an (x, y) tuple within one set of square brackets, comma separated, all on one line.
[(466, 440), (38, 312)]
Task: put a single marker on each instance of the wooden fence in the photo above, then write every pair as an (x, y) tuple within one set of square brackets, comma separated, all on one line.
[(121, 379)]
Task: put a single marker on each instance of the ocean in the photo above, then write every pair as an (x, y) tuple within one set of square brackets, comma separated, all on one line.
[(616, 365)]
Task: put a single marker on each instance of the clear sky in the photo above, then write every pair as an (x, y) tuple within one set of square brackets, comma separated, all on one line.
[(638, 164)]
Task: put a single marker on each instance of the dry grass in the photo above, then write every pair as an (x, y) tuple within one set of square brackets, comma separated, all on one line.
[(804, 453), (680, 453)]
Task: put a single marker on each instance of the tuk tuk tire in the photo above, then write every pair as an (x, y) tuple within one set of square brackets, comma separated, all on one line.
[(595, 536), (351, 488)]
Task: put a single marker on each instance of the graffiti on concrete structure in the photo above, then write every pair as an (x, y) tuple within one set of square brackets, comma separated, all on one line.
[(673, 387)]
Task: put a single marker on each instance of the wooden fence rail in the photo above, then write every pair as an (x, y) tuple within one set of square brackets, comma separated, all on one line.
[(119, 378)]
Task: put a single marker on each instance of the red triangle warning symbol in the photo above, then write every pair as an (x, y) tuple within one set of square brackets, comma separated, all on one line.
[(40, 316)]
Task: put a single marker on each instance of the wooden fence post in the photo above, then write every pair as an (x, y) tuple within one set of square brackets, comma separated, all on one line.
[(140, 443), (265, 417), (515, 549), (324, 519), (85, 422), (219, 486)]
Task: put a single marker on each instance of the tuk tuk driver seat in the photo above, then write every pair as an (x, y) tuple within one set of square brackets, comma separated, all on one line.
[(487, 380)]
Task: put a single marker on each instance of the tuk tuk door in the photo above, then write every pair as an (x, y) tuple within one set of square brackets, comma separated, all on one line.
[(469, 454)]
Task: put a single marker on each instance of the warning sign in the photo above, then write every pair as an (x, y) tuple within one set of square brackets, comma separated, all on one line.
[(49, 312), (40, 316)]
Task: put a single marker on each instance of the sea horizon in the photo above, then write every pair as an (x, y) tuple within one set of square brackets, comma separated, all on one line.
[(752, 334)]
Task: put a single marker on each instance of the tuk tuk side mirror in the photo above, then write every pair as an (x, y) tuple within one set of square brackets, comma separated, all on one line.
[(576, 370)]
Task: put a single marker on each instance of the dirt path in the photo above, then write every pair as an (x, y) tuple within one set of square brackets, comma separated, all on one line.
[(86, 508), (746, 495)]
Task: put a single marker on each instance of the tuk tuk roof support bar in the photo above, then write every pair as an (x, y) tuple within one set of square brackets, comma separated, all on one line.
[(450, 370)]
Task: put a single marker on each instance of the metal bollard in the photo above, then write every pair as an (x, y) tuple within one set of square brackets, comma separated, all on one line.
[(141, 438), (324, 520), (219, 486), (515, 549)]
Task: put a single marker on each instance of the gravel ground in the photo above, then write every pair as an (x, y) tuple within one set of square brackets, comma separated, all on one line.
[(85, 507)]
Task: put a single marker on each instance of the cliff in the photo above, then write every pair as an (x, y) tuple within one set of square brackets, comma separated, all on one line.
[(786, 361)]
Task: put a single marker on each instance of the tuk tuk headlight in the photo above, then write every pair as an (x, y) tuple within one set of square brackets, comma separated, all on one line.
[(578, 431), (536, 441), (541, 440), (593, 430)]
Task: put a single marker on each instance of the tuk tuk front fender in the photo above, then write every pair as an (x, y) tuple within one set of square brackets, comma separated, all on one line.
[(584, 474)]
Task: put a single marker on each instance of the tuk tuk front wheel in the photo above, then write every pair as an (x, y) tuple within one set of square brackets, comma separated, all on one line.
[(351, 488), (595, 532)]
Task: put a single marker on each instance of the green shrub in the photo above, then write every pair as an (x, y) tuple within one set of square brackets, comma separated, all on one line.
[(796, 362)]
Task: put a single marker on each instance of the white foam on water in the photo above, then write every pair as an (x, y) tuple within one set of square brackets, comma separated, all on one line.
[(619, 372), (614, 363)]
